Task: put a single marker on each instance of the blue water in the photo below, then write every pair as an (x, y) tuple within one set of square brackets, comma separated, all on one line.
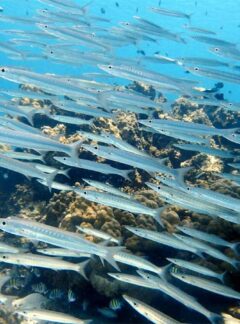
[(221, 17)]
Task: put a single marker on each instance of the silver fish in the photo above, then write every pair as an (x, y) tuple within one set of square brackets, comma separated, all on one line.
[(26, 169), (214, 74), (206, 150), (121, 203), (162, 238), (5, 248), (210, 238), (113, 140), (49, 169), (98, 233), (151, 314), (234, 165), (179, 295), (207, 249), (34, 260), (17, 125), (55, 236), (56, 185), (93, 166), (213, 41), (23, 156), (49, 316), (147, 163), (134, 280), (226, 52), (58, 252), (170, 13), (37, 142), (140, 263), (206, 284), (179, 196), (107, 187), (70, 120), (197, 268), (199, 30)]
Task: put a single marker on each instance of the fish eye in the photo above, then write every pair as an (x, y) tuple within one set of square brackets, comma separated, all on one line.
[(45, 26), (188, 188), (3, 223), (109, 66), (159, 187), (85, 192), (216, 49), (4, 257), (135, 304), (95, 147), (3, 70), (196, 69)]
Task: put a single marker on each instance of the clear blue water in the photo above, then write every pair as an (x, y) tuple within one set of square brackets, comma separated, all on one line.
[(221, 17)]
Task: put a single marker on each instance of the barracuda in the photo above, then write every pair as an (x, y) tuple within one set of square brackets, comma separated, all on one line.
[(55, 236)]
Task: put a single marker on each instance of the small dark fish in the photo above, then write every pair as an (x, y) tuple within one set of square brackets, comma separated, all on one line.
[(116, 4), (141, 52), (103, 11)]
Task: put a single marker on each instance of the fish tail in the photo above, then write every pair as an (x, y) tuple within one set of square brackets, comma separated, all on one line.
[(30, 116), (222, 276), (65, 172), (109, 257), (164, 271), (214, 318), (180, 174), (158, 215), (125, 174), (75, 150), (50, 179), (231, 135), (235, 264), (236, 248), (82, 267)]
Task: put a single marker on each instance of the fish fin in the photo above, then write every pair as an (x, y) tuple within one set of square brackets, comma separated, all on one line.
[(82, 267), (215, 318), (157, 215), (75, 149), (180, 173), (50, 177), (103, 100), (110, 253), (164, 271), (236, 248), (235, 264), (125, 174), (30, 116), (222, 276), (65, 172)]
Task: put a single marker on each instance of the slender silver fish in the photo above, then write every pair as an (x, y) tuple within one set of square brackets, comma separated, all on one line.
[(206, 284), (149, 312), (49, 316), (197, 268)]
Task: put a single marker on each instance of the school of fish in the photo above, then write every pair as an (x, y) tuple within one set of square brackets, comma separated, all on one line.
[(65, 32)]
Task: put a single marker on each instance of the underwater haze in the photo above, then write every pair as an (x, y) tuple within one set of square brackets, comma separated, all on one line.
[(119, 161)]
